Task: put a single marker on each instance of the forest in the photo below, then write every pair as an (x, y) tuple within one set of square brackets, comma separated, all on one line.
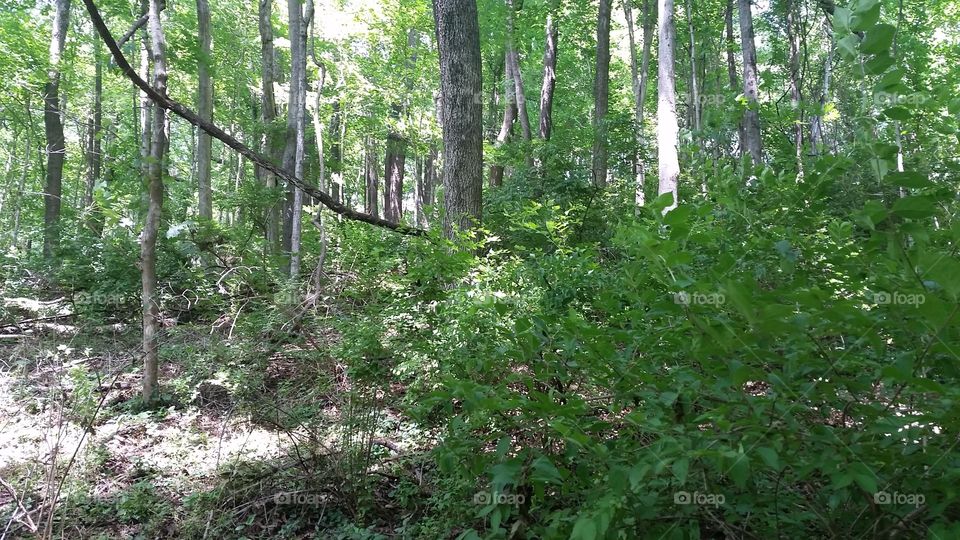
[(479, 269)]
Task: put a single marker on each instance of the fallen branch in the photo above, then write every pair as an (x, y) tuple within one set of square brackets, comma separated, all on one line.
[(247, 152)]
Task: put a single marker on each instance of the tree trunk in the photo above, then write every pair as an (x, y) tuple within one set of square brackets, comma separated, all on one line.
[(458, 40), (396, 161), (694, 90), (818, 135), (24, 171), (732, 67), (53, 127), (795, 83), (336, 153), (639, 79), (205, 110), (372, 178), (601, 90), (549, 79), (513, 61), (299, 20), (268, 115), (751, 116), (509, 117), (151, 226), (427, 180), (668, 129)]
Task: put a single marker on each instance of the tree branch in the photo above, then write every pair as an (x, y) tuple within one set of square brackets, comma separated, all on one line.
[(247, 152)]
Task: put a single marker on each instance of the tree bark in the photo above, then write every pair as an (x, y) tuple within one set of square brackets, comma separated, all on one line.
[(151, 226), (513, 61), (205, 110), (639, 79), (268, 115), (299, 20), (751, 116), (732, 67), (509, 117), (668, 129), (694, 89), (818, 134), (549, 79), (795, 82), (53, 128), (601, 90), (458, 39), (371, 177)]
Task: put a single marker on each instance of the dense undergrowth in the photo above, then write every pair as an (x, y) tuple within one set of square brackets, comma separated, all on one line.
[(762, 362)]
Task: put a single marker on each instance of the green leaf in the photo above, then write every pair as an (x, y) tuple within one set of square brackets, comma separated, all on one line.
[(914, 207), (841, 19), (879, 39), (912, 180), (878, 64), (740, 470), (897, 113), (545, 471), (769, 456), (585, 529), (680, 469), (866, 13), (848, 47)]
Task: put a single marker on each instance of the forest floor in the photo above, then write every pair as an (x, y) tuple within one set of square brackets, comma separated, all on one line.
[(252, 440)]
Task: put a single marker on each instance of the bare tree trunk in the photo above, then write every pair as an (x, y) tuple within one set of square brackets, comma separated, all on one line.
[(668, 129), (24, 171), (694, 89), (53, 127), (458, 39), (268, 115), (151, 226), (818, 135), (639, 78), (732, 67), (513, 61), (549, 78), (427, 181), (795, 82), (299, 20), (371, 177), (205, 110), (601, 91), (336, 153), (396, 159), (751, 116), (509, 117)]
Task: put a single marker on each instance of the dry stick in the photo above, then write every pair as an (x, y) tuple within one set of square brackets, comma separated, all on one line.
[(192, 117)]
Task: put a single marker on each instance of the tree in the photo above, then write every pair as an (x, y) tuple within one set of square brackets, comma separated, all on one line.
[(509, 118), (751, 116), (549, 76), (458, 40), (638, 76), (148, 237), (601, 90), (205, 109), (668, 162), (53, 127), (268, 114)]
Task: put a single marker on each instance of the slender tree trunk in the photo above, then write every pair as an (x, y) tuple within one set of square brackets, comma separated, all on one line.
[(601, 90), (299, 20), (146, 108), (53, 127), (639, 79), (818, 134), (425, 189), (795, 82), (336, 154), (24, 171), (268, 115), (509, 117), (549, 79), (732, 68), (668, 129), (751, 116), (371, 178), (513, 61), (458, 39), (694, 89), (151, 226), (205, 110)]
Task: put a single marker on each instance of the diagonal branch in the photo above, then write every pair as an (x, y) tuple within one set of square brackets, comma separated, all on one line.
[(244, 150)]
